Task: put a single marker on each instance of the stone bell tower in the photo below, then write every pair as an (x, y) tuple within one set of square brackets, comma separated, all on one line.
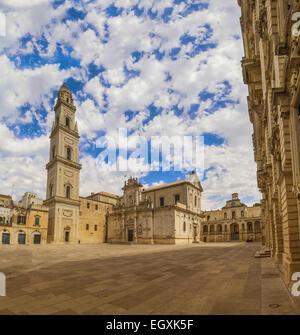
[(63, 172)]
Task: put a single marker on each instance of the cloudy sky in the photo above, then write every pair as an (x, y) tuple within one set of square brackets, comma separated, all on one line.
[(154, 67)]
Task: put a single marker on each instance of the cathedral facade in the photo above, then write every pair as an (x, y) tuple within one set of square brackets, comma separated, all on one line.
[(271, 70), (165, 214)]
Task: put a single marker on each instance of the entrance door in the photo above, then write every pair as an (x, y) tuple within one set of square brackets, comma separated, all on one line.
[(37, 239), (67, 236), (130, 235), (5, 238), (235, 232), (22, 239)]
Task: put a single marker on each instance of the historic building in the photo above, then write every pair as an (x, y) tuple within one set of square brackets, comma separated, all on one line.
[(5, 210), (169, 214), (63, 172), (25, 222), (166, 214), (93, 217), (72, 219), (271, 70), (234, 222)]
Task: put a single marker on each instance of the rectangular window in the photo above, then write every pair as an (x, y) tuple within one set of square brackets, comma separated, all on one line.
[(162, 202), (87, 227), (88, 205), (21, 220), (177, 198), (96, 207), (37, 221), (96, 227)]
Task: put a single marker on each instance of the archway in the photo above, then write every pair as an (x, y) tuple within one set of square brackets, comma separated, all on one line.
[(235, 234)]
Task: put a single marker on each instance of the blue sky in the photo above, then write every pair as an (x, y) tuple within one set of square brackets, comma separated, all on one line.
[(168, 67)]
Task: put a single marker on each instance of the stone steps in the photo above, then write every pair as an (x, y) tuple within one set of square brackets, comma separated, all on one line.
[(263, 254)]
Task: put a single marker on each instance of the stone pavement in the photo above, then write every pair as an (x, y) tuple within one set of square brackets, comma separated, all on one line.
[(214, 278)]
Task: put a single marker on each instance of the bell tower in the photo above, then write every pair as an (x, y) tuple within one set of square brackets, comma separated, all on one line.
[(63, 172)]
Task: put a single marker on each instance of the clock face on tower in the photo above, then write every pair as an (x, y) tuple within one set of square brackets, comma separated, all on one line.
[(233, 203)]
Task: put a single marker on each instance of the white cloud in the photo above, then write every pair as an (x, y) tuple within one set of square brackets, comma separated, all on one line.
[(110, 42)]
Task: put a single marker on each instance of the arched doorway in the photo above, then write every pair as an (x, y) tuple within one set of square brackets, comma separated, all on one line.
[(235, 235)]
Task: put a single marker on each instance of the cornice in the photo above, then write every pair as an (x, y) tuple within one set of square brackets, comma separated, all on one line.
[(59, 159)]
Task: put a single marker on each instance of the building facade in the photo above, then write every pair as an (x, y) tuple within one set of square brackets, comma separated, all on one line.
[(24, 225), (165, 214), (93, 217), (234, 222), (271, 71)]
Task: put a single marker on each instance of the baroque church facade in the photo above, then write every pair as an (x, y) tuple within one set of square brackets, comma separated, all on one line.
[(165, 214)]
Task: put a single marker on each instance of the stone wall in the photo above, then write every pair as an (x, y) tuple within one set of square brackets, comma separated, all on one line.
[(271, 71)]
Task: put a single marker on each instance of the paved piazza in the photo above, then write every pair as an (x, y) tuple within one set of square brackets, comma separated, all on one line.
[(214, 278)]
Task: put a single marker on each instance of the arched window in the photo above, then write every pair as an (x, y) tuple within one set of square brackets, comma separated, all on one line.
[(195, 201), (53, 152), (219, 228), (69, 153), (67, 122), (250, 228), (233, 215), (68, 192), (225, 215), (205, 229), (184, 226), (242, 214)]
